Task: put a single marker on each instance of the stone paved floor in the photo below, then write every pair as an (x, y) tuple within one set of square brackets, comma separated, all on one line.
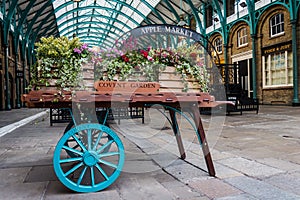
[(256, 156)]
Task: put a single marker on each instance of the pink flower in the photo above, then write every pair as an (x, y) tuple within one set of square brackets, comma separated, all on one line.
[(150, 58), (76, 50), (84, 46)]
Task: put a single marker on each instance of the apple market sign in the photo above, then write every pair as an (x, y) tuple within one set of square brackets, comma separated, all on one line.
[(166, 29)]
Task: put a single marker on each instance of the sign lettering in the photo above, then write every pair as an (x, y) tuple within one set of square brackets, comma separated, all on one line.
[(123, 86), (168, 29), (287, 46)]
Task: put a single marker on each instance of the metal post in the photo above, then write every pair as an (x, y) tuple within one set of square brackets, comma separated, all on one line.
[(7, 88), (18, 100), (253, 37), (295, 63)]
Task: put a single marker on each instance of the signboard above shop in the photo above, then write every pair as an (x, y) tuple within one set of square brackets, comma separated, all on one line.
[(285, 46)]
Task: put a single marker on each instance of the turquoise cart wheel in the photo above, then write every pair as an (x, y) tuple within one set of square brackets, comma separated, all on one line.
[(96, 163), (83, 137)]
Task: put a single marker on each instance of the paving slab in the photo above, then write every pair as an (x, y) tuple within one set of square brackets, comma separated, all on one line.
[(185, 172), (238, 197), (250, 167), (182, 191), (214, 188), (22, 191), (260, 189), (57, 191), (16, 115), (10, 176), (142, 188), (287, 182)]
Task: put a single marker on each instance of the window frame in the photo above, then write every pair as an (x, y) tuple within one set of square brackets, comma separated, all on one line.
[(243, 37), (268, 69), (218, 45), (277, 25)]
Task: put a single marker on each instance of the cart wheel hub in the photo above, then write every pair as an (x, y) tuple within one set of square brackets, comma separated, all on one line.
[(90, 158)]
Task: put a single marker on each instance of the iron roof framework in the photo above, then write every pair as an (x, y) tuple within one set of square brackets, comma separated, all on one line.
[(97, 22)]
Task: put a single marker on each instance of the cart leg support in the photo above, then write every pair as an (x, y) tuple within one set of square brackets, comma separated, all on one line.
[(177, 134), (201, 136)]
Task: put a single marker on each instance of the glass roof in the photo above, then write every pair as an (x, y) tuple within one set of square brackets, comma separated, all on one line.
[(97, 22), (100, 21)]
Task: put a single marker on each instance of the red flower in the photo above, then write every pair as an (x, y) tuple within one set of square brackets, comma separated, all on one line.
[(125, 58), (145, 53)]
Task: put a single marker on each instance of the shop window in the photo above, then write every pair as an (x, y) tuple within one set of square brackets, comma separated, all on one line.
[(277, 24), (278, 69), (242, 37), (218, 45)]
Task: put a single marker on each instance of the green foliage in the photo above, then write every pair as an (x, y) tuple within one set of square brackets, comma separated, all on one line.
[(58, 60)]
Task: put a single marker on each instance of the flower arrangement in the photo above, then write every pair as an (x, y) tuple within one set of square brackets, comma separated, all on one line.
[(59, 62), (150, 62)]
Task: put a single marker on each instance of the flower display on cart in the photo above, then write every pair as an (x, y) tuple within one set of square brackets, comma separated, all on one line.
[(146, 64), (59, 62)]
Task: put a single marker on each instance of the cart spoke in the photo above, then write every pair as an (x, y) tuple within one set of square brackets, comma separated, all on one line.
[(102, 171), (76, 146), (81, 175), (71, 140), (109, 154), (68, 160), (92, 176), (98, 140), (73, 150), (73, 169), (104, 146), (80, 143), (108, 163), (89, 135)]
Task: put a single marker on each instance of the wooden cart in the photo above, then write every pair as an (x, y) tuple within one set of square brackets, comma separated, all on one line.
[(89, 157)]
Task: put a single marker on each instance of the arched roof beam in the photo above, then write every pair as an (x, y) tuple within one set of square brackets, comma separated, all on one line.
[(154, 11), (133, 9), (171, 8), (83, 23), (107, 42), (95, 28), (112, 20), (38, 13), (8, 19), (96, 16), (91, 7), (94, 42), (195, 13), (111, 9)]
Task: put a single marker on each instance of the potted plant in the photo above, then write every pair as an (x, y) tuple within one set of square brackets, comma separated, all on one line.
[(58, 63)]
